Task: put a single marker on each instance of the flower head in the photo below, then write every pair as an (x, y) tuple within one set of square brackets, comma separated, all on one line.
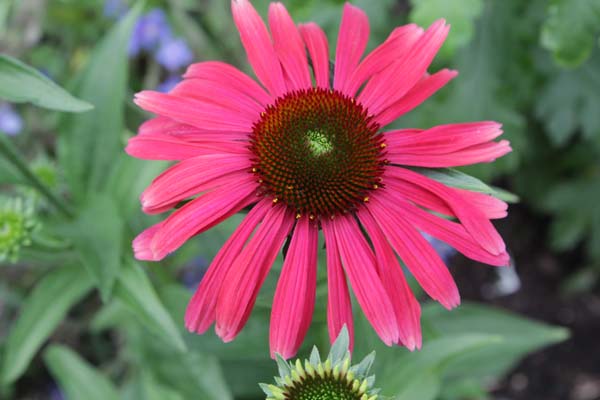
[(332, 378), (307, 152)]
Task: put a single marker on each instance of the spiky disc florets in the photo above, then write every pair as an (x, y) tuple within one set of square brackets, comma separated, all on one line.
[(317, 151), (333, 379)]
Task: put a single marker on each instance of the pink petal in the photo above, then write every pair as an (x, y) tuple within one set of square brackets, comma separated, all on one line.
[(201, 114), (406, 306), (200, 313), (258, 45), (190, 177), (141, 244), (415, 96), (163, 126), (316, 43), (289, 47), (295, 294), (339, 306), (220, 93), (359, 264), (486, 152), (165, 147), (352, 41), (449, 232), (387, 87), (201, 214), (395, 47), (471, 217), (488, 205), (418, 255), (443, 139), (248, 272), (225, 73)]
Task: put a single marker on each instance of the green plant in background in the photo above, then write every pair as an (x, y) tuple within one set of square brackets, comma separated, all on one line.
[(115, 326), (17, 225)]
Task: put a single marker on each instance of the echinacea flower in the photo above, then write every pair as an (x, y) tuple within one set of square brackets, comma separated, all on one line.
[(332, 378), (307, 152)]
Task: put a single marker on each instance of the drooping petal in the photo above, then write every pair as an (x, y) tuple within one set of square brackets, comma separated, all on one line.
[(352, 41), (142, 249), (190, 177), (225, 73), (295, 294), (201, 114), (259, 47), (248, 272), (490, 206), (395, 46), (471, 217), (359, 264), (339, 306), (408, 310), (201, 214), (390, 85), (449, 232), (289, 47), (418, 255), (200, 313), (318, 49)]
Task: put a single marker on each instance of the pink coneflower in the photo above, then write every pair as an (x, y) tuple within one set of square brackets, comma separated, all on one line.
[(305, 151)]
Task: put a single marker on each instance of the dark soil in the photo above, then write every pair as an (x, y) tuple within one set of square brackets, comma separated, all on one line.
[(567, 371)]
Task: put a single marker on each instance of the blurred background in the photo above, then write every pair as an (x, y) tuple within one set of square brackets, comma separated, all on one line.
[(80, 319)]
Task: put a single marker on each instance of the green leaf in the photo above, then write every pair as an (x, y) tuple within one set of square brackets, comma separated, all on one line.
[(569, 103), (401, 375), (41, 313), (20, 83), (570, 30), (461, 14), (454, 178), (76, 377), (90, 143), (135, 290), (518, 335), (97, 234)]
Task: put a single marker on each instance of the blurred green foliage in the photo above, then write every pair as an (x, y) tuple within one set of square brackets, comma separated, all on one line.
[(532, 65)]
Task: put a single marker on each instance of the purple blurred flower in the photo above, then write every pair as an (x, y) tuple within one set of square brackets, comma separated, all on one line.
[(114, 8), (150, 30), (11, 122), (168, 84), (193, 272), (445, 251), (174, 53)]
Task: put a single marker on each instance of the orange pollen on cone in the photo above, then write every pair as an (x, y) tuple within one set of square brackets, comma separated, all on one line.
[(318, 152)]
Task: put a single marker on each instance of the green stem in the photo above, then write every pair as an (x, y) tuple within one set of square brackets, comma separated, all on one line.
[(8, 150)]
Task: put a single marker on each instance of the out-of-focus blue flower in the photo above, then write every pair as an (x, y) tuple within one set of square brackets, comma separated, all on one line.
[(150, 30), (114, 8), (174, 53), (11, 122), (168, 84), (443, 249), (54, 392), (193, 272)]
